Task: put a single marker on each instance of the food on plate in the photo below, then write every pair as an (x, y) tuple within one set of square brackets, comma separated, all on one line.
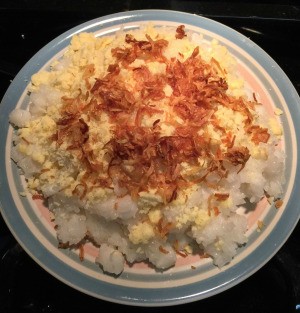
[(145, 144)]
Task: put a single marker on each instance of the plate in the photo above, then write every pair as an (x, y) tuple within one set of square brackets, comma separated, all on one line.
[(192, 279)]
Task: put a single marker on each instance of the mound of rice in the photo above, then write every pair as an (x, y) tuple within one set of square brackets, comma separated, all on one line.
[(146, 143)]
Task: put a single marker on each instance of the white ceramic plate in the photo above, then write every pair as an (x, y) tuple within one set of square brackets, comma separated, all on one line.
[(192, 278)]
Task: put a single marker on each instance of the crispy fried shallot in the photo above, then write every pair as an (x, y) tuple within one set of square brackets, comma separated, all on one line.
[(141, 157), (180, 33)]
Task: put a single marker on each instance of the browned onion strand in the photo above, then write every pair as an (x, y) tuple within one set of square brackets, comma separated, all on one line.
[(140, 158)]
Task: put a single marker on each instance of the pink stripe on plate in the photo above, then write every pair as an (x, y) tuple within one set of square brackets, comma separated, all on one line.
[(256, 88)]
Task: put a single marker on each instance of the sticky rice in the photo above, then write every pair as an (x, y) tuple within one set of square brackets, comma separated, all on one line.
[(145, 144)]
